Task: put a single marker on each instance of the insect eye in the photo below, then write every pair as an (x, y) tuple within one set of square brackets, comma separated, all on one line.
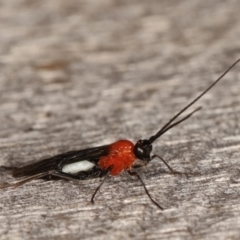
[(142, 150)]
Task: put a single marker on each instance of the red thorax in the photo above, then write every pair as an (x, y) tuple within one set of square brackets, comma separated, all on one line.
[(121, 157)]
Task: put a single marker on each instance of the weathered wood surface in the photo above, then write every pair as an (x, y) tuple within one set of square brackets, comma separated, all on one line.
[(76, 74)]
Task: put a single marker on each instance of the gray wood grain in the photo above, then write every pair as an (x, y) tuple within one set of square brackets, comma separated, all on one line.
[(76, 74)]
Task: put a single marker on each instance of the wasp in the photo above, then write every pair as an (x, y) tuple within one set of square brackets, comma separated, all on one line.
[(103, 161)]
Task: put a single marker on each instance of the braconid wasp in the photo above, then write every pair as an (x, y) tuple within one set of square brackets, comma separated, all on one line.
[(105, 160)]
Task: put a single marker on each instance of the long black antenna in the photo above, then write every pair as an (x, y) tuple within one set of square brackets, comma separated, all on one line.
[(181, 120), (161, 131)]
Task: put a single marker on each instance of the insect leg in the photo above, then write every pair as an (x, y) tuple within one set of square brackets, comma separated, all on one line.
[(37, 176), (19, 183), (137, 175), (62, 175), (5, 168), (172, 171), (105, 175)]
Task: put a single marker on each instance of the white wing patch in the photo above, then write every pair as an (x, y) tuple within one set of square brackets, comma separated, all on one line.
[(81, 166)]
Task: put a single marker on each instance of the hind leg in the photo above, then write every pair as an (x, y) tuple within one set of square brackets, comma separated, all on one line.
[(37, 176)]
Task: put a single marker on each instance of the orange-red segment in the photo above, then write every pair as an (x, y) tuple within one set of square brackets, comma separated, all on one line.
[(121, 157)]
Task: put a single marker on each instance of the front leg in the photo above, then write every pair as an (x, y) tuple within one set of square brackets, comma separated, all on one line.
[(171, 170)]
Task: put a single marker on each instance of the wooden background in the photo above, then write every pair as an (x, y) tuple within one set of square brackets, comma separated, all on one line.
[(77, 74)]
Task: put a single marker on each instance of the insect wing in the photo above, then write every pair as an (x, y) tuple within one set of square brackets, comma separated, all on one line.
[(53, 163)]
